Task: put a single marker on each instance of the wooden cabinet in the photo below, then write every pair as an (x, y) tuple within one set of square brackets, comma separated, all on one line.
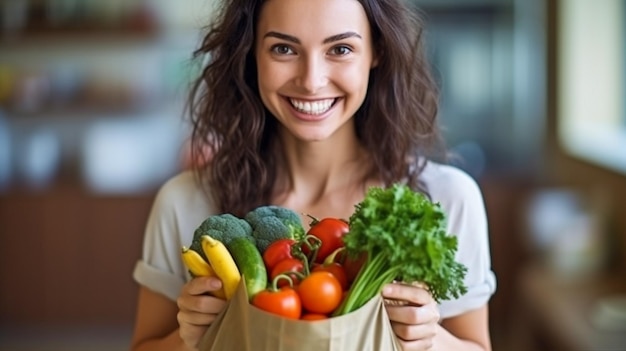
[(67, 257)]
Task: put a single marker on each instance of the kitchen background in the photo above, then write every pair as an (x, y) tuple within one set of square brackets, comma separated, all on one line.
[(91, 123)]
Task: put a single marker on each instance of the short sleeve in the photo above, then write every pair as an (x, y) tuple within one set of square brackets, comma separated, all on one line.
[(462, 201), (179, 207)]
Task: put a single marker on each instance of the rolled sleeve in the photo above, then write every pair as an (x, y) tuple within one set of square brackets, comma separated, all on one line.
[(158, 280), (477, 296)]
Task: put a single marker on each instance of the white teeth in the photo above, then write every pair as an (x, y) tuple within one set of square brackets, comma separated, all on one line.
[(312, 108)]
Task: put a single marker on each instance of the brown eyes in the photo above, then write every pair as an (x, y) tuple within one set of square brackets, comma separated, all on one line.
[(283, 49), (340, 50)]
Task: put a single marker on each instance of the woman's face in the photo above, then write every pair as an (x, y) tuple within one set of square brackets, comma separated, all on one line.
[(313, 60)]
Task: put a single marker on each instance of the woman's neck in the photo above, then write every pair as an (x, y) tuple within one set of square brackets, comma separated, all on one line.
[(324, 178)]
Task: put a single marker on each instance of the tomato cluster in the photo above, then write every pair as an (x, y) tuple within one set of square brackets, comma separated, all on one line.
[(308, 277)]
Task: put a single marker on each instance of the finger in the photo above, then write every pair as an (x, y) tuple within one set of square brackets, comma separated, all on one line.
[(195, 318), (200, 303), (412, 294), (409, 332), (417, 345), (203, 285), (413, 314)]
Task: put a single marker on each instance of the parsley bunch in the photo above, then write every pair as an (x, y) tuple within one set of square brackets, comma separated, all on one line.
[(403, 235)]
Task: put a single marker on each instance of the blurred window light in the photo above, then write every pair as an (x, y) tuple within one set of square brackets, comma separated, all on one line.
[(469, 73), (5, 153), (39, 158), (592, 81), (131, 155)]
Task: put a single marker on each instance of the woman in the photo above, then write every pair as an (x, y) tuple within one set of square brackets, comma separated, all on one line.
[(305, 104)]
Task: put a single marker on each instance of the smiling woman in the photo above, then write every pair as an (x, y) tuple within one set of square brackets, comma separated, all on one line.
[(592, 81), (306, 105)]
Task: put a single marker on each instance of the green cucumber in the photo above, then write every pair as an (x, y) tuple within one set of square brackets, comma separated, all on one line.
[(250, 264)]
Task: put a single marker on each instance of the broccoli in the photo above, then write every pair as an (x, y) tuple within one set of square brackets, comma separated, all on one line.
[(270, 223), (223, 227)]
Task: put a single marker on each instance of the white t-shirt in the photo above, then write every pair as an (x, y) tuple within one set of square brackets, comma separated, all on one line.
[(180, 206)]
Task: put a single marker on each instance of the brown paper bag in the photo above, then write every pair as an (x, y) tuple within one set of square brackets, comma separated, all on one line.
[(244, 327)]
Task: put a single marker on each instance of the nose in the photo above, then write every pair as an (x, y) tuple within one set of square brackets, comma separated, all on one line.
[(313, 74)]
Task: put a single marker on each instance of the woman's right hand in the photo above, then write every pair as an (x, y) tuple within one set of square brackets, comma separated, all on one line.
[(197, 309)]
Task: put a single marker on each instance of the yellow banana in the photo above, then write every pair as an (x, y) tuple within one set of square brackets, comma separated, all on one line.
[(198, 267), (223, 264)]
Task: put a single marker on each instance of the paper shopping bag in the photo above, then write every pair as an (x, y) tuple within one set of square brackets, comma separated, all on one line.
[(244, 327)]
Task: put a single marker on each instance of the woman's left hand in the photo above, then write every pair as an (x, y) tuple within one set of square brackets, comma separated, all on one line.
[(415, 316)]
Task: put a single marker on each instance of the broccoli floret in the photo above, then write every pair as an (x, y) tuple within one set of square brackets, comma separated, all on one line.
[(270, 223), (223, 227)]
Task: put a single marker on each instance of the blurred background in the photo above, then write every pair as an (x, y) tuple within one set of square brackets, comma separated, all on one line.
[(91, 124)]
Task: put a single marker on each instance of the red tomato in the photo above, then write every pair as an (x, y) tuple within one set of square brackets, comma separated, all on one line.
[(330, 231), (284, 302), (278, 251), (335, 269), (320, 292), (285, 266)]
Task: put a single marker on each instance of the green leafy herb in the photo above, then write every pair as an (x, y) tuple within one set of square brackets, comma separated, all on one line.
[(403, 234)]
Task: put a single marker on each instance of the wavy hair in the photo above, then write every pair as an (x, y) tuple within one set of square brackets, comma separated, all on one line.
[(234, 131)]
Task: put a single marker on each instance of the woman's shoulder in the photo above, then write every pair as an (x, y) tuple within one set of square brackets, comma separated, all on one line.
[(183, 193), (445, 178), (178, 186), (448, 184), (185, 181)]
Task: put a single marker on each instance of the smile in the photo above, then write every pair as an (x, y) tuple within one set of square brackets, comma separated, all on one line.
[(312, 107)]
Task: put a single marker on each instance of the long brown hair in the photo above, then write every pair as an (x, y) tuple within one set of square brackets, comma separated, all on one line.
[(232, 127)]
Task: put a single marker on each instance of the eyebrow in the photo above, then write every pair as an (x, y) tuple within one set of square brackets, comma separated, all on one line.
[(295, 40)]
